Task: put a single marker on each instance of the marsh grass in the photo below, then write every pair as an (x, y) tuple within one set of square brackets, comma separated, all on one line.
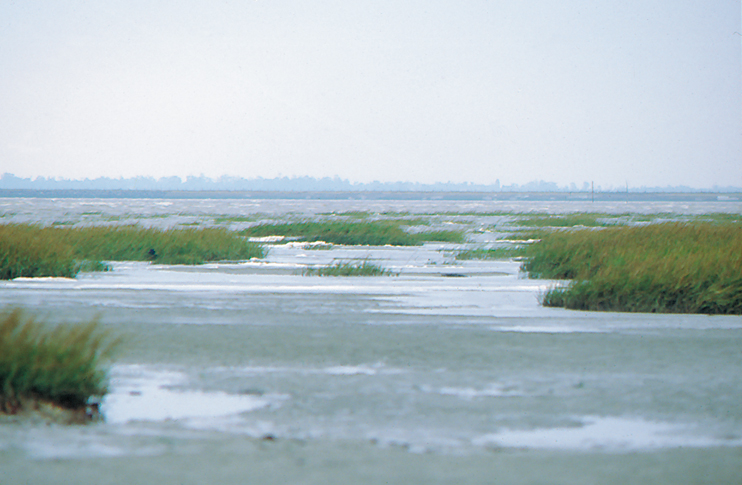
[(317, 246), (719, 218), (88, 266), (402, 219), (349, 214), (568, 220), (669, 268), (533, 235), (474, 213), (64, 364), (599, 219), (348, 269), (493, 253), (32, 251), (450, 236), (368, 233), (223, 219), (413, 221), (173, 246)]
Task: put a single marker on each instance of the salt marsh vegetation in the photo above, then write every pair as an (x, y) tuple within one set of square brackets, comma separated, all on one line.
[(367, 233), (173, 246), (32, 251), (492, 253), (364, 268), (669, 268), (62, 365)]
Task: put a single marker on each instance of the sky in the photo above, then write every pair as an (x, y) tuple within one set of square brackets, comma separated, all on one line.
[(635, 92)]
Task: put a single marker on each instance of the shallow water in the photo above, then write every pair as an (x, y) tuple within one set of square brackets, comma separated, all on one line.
[(251, 370)]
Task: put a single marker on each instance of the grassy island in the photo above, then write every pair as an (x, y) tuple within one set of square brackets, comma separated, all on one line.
[(668, 267), (30, 250), (366, 233), (348, 269), (493, 253), (61, 366)]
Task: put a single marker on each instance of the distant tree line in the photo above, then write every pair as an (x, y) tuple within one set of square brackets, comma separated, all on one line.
[(10, 181)]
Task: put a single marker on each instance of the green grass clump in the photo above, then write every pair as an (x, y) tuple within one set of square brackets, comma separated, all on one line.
[(457, 237), (32, 251), (669, 268), (348, 269), (63, 365), (370, 233), (493, 253)]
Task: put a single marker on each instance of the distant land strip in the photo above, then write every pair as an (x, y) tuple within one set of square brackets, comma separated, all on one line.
[(376, 195)]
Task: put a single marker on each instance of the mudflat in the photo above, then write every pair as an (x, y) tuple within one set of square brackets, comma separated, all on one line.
[(241, 372)]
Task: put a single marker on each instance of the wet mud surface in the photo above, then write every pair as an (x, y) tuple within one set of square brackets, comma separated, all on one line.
[(249, 372)]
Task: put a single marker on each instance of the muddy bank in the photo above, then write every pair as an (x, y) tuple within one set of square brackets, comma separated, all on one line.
[(38, 412)]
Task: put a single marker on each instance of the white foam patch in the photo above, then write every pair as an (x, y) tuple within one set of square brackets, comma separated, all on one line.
[(605, 433), (143, 395), (26, 279), (268, 239), (350, 370), (494, 390), (336, 370)]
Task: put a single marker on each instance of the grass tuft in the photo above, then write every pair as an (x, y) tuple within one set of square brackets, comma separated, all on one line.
[(63, 365), (348, 269)]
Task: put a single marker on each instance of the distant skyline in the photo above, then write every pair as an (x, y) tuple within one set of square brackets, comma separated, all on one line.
[(635, 92)]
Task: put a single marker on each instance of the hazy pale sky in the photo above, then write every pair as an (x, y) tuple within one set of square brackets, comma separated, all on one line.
[(638, 91)]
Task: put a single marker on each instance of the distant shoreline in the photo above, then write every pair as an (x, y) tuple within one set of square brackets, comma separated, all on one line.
[(375, 195)]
